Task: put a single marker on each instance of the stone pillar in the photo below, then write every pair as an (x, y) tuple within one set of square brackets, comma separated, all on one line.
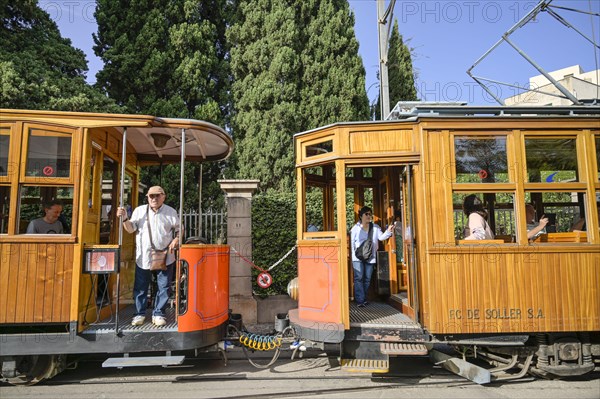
[(239, 236)]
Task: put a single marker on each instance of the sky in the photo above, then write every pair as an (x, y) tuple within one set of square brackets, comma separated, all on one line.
[(447, 38)]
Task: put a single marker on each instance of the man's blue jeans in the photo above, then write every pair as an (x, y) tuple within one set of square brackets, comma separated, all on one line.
[(362, 280), (143, 278)]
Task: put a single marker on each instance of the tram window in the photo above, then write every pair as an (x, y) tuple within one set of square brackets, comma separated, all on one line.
[(314, 208), (48, 154), (4, 146), (4, 208), (324, 147), (367, 172), (481, 159), (565, 210), (32, 202), (551, 160), (501, 214)]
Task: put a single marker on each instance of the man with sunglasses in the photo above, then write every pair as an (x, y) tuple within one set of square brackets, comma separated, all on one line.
[(164, 225)]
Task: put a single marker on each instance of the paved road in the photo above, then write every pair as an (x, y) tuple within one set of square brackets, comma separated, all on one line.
[(317, 376)]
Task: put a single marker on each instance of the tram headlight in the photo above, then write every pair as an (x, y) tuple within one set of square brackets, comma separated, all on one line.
[(293, 289)]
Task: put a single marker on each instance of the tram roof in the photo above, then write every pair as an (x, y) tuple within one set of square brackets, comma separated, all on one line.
[(206, 141), (412, 111)]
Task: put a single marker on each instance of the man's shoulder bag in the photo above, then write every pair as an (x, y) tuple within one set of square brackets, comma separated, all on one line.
[(364, 251), (158, 259)]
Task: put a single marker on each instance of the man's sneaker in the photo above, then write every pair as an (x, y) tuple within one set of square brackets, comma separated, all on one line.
[(361, 305), (159, 321), (138, 320)]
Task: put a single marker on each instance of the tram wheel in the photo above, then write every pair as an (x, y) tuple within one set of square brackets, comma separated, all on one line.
[(35, 368)]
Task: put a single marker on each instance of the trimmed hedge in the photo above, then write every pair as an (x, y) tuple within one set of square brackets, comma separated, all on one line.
[(273, 235)]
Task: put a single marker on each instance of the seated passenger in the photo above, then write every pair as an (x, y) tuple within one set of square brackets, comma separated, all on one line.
[(479, 229), (534, 229), (50, 223)]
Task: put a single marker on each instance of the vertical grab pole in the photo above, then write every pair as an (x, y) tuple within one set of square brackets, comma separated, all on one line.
[(121, 195), (177, 264), (182, 167)]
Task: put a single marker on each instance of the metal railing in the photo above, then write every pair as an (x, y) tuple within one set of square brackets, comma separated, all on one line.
[(211, 224)]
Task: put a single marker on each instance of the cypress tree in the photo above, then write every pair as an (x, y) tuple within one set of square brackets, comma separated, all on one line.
[(401, 77), (265, 61), (295, 67), (39, 69), (333, 78)]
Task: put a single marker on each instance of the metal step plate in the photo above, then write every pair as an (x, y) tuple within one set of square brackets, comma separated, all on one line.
[(121, 362), (365, 365), (403, 349)]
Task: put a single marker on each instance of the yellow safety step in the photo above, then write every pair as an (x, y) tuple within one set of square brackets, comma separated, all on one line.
[(403, 349), (366, 365)]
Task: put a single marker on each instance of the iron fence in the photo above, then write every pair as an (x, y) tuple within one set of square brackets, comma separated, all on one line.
[(210, 224)]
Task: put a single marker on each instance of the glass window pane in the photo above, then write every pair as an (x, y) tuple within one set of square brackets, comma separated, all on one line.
[(49, 154), (481, 160), (4, 146), (551, 160), (500, 214), (314, 208), (4, 208), (565, 210), (33, 201), (319, 148)]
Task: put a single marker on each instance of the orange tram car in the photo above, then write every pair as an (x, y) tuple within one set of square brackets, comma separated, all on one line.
[(71, 293), (523, 305)]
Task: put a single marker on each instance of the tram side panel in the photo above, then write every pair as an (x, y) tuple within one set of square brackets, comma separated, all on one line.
[(487, 291), (35, 282), (204, 298)]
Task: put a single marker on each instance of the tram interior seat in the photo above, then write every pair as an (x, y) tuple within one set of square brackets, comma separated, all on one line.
[(571, 236), (479, 242), (506, 238), (196, 240)]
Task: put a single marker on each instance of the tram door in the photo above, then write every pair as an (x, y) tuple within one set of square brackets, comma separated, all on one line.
[(410, 305)]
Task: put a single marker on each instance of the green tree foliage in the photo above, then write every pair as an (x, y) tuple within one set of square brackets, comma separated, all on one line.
[(39, 69), (168, 58), (333, 76), (295, 67), (401, 77)]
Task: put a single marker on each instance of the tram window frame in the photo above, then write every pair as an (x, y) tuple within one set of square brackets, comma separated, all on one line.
[(39, 202), (545, 206), (319, 177), (5, 162), (485, 173), (509, 234), (528, 153), (4, 207), (47, 131)]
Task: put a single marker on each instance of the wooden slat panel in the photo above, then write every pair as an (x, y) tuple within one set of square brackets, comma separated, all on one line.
[(65, 277), (5, 251), (483, 292), (35, 270), (35, 282), (381, 141), (49, 281), (21, 269)]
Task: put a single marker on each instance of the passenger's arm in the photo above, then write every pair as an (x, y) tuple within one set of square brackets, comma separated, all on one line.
[(531, 234), (476, 227)]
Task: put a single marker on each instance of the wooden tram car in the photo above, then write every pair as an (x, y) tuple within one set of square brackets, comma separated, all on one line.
[(520, 304), (71, 293)]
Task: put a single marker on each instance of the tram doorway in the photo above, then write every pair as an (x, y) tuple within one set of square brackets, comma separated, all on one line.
[(389, 191)]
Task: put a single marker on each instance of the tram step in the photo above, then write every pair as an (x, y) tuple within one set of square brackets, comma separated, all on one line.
[(366, 365), (403, 349), (121, 362)]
